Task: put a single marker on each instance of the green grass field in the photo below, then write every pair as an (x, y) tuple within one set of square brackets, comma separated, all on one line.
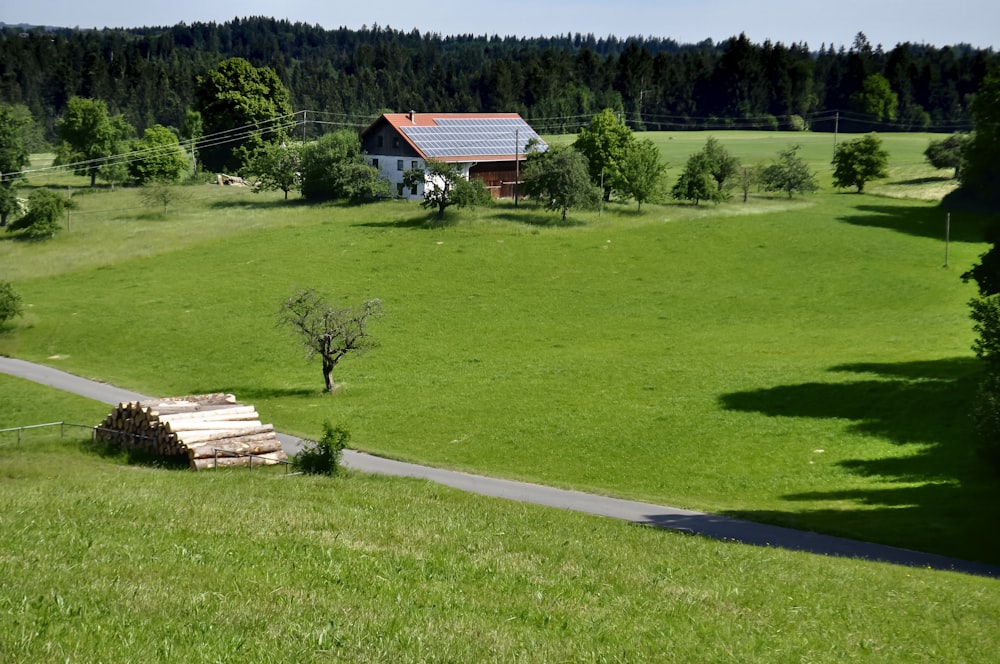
[(802, 362)]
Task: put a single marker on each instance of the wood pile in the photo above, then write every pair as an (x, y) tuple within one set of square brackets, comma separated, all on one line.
[(208, 429)]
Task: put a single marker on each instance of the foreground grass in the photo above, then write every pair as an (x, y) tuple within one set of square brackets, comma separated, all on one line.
[(102, 561), (803, 362)]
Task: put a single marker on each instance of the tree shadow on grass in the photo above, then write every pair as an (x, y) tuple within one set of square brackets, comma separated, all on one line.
[(921, 221), (246, 394), (919, 181), (417, 223), (259, 204), (536, 218), (946, 499)]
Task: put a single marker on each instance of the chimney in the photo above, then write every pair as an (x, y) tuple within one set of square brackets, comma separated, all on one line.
[(413, 117)]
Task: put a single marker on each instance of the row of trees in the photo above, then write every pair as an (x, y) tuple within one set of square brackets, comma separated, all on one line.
[(148, 76)]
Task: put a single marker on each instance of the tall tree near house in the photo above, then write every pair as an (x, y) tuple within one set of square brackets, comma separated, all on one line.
[(275, 166), (89, 136), (445, 185), (241, 107), (13, 159), (328, 331), (604, 142), (858, 161)]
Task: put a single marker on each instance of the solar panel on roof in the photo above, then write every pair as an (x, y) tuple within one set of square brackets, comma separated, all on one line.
[(457, 137)]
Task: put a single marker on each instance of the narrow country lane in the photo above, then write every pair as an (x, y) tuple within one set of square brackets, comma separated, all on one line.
[(718, 527)]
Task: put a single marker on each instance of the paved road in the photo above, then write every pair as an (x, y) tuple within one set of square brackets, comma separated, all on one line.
[(719, 527)]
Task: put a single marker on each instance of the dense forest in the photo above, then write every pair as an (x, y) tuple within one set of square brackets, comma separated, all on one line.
[(346, 77)]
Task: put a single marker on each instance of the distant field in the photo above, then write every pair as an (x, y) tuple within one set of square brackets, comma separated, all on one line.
[(803, 362)]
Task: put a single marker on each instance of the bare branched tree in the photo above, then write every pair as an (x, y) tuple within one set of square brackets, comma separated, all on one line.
[(327, 331)]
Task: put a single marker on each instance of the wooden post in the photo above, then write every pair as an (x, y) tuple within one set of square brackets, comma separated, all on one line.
[(517, 162), (947, 237)]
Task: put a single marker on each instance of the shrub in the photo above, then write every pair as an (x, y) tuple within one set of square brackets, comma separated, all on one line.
[(10, 302), (323, 458)]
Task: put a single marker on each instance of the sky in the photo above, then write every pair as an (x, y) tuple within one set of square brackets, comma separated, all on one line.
[(885, 22)]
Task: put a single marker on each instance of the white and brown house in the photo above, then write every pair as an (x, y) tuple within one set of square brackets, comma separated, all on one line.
[(488, 147)]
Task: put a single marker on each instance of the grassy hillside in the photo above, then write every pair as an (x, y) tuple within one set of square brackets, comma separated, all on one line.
[(804, 362), (103, 561)]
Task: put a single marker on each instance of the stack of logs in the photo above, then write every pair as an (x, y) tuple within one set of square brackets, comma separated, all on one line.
[(209, 429)]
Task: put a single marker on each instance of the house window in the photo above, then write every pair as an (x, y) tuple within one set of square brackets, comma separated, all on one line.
[(399, 189), (413, 164), (413, 190), (399, 164), (380, 140), (395, 141), (375, 163)]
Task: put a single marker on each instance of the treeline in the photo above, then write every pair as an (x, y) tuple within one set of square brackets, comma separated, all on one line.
[(559, 83)]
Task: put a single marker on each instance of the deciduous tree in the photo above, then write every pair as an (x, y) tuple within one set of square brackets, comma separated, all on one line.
[(558, 177), (789, 173), (948, 152), (877, 99), (982, 155), (604, 143), (13, 159), (89, 137), (445, 185), (641, 174), (157, 157), (333, 167), (275, 167), (328, 331), (241, 106), (45, 210), (859, 161), (10, 302), (696, 182)]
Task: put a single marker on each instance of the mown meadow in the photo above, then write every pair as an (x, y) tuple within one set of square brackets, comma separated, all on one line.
[(804, 362)]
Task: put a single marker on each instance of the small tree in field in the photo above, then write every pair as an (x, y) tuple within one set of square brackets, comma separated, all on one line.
[(274, 166), (641, 172), (558, 178), (789, 173), (10, 303), (328, 331), (948, 152), (45, 209), (858, 161)]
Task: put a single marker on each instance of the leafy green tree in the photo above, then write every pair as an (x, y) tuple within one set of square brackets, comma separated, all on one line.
[(877, 99), (559, 178), (982, 155), (192, 130), (722, 166), (241, 106), (10, 303), (45, 209), (445, 185), (158, 157), (333, 167), (328, 331), (641, 173), (32, 133), (789, 173), (696, 183), (858, 161), (604, 143), (274, 167), (89, 137), (986, 273), (948, 152), (13, 159), (985, 312), (160, 194)]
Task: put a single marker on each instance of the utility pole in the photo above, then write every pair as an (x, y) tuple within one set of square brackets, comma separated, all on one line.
[(305, 114), (836, 130)]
